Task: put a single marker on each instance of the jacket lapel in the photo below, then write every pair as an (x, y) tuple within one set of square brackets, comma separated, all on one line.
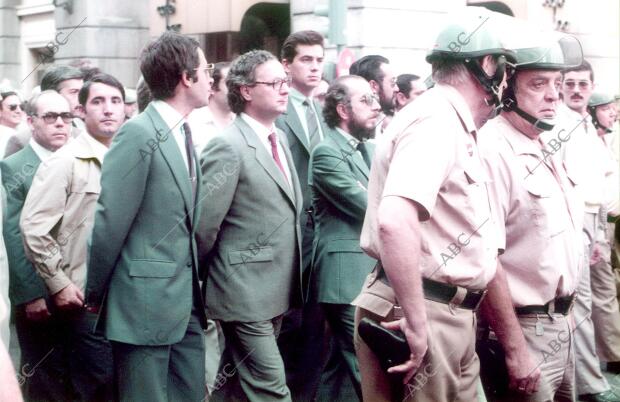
[(266, 160), (172, 155), (292, 120), (350, 153)]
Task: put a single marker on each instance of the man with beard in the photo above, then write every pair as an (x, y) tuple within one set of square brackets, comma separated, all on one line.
[(56, 223), (587, 161), (378, 72), (339, 169), (410, 86)]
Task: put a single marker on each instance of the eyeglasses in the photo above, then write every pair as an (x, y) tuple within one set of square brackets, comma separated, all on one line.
[(276, 84), (13, 108), (570, 84), (209, 69), (369, 99), (51, 117)]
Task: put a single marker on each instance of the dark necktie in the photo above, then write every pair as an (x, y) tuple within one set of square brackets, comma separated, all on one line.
[(313, 125), (274, 152), (364, 151), (189, 150)]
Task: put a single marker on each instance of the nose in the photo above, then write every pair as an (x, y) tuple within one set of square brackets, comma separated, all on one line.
[(553, 93)]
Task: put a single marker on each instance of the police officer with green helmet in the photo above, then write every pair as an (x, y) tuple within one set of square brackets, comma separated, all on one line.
[(430, 226)]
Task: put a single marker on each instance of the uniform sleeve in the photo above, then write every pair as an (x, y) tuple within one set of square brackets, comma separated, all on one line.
[(422, 159)]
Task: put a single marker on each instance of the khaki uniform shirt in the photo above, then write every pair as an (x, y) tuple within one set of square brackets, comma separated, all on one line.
[(538, 212), (59, 212), (429, 155)]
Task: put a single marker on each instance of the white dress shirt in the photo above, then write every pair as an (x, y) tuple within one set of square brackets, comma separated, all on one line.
[(174, 120), (42, 153)]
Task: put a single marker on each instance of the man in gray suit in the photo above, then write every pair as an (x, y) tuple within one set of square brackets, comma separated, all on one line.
[(302, 339), (249, 234), (338, 176)]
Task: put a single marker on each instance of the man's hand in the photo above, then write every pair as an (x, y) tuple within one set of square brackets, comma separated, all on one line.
[(417, 341), (36, 310), (524, 374), (69, 298)]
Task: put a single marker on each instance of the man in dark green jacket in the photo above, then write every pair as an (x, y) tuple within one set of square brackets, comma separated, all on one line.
[(338, 176)]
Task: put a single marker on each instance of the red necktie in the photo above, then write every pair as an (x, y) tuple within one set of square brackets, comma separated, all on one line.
[(274, 153)]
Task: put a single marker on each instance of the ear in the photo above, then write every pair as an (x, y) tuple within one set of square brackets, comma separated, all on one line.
[(489, 65), (286, 66), (186, 80), (342, 111), (374, 85), (30, 123), (244, 90), (400, 98)]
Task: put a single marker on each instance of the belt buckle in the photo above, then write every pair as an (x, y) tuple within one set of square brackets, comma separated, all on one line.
[(482, 296)]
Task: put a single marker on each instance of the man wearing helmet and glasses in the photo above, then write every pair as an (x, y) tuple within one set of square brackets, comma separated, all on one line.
[(539, 220), (429, 223)]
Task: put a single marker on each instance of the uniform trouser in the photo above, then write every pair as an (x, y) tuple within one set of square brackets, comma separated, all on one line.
[(342, 359), (251, 368), (166, 373), (62, 359), (605, 312), (214, 345), (449, 371), (588, 377), (553, 352)]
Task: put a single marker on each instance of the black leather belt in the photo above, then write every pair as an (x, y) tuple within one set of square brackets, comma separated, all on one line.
[(440, 292), (445, 293), (560, 305)]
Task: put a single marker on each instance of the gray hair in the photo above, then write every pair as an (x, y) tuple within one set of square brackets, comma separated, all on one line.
[(243, 72), (33, 103), (450, 72)]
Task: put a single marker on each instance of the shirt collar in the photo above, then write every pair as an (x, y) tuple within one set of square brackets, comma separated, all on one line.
[(519, 142), (262, 131), (97, 149), (354, 142), (461, 107), (42, 153), (173, 119), (296, 96)]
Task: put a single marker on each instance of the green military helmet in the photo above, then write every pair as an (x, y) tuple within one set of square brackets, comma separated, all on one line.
[(600, 98), (547, 51), (470, 36)]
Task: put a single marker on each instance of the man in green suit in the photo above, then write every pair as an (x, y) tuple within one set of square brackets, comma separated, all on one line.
[(142, 275), (302, 337), (249, 236), (37, 328), (338, 176)]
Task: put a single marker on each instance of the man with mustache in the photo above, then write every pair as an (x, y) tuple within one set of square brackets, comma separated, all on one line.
[(339, 169), (56, 223), (587, 161)]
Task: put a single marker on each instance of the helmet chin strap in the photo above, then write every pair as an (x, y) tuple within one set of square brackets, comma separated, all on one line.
[(539, 124), (489, 83)]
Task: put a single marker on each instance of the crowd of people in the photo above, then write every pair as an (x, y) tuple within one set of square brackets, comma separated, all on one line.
[(251, 231)]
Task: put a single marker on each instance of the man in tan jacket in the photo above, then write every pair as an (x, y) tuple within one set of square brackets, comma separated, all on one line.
[(56, 223)]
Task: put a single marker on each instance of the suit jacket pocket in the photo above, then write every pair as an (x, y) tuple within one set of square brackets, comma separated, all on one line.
[(256, 254), (152, 269)]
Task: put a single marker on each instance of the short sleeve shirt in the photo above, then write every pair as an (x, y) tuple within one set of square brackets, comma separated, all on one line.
[(538, 214), (429, 155)]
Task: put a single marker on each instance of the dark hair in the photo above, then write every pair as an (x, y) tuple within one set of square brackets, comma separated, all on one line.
[(143, 94), (217, 74), (369, 67), (337, 93), (243, 72), (403, 82), (5, 95), (101, 78), (289, 47), (55, 75), (584, 66), (164, 60)]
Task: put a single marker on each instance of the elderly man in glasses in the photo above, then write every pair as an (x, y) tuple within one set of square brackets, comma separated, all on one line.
[(249, 238), (10, 116), (50, 122)]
